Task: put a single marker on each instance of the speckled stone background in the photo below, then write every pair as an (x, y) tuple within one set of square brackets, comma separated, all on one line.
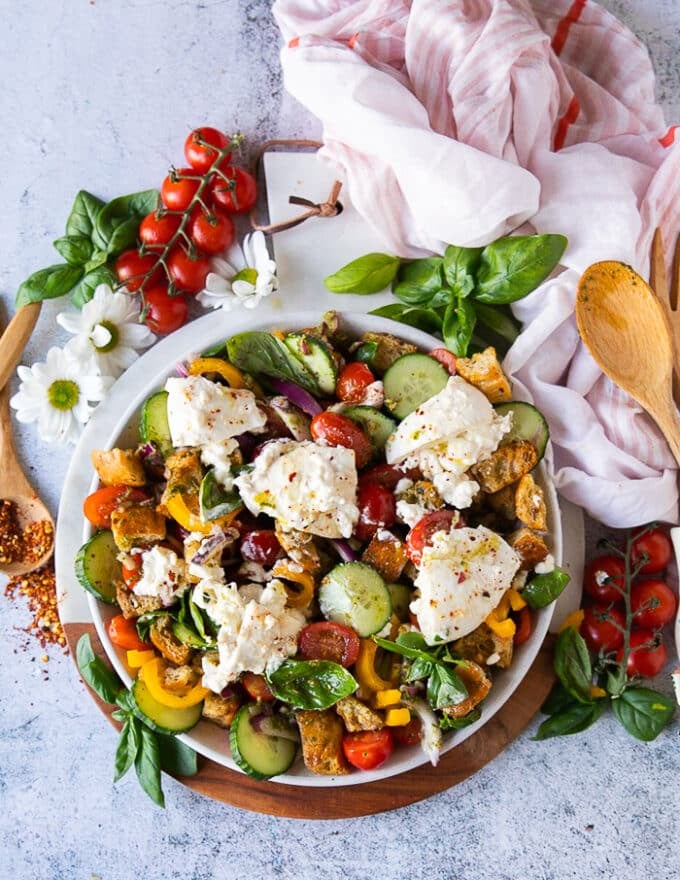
[(99, 94)]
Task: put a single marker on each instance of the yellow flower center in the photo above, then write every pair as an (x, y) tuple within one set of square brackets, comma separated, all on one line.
[(63, 394)]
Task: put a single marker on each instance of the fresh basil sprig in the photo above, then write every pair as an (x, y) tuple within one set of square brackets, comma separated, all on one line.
[(453, 294), (96, 233), (311, 684), (139, 746)]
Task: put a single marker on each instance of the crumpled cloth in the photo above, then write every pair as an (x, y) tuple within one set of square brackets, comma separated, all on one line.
[(458, 122)]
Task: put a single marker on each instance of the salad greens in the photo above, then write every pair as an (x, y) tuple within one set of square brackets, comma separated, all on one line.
[(311, 684)]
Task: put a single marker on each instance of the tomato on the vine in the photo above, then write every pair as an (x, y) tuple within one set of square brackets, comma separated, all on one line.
[(602, 577), (203, 146), (654, 547), (653, 604), (367, 749), (602, 628), (156, 230), (648, 653), (177, 190), (261, 546), (187, 272), (353, 381), (238, 194), (100, 504), (211, 233), (131, 268), (377, 510), (424, 530), (164, 313), (337, 430), (327, 640)]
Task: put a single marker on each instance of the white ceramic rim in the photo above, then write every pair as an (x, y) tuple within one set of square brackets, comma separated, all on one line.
[(116, 418)]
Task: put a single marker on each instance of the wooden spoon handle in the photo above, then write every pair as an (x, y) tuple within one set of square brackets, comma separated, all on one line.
[(14, 339)]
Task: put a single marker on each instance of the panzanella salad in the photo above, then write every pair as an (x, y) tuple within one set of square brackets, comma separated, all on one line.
[(325, 545)]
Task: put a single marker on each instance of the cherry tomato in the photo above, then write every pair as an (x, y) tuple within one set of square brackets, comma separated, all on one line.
[(132, 570), (654, 547), (326, 640), (131, 268), (99, 506), (353, 381), (338, 430), (524, 626), (165, 313), (599, 628), (602, 575), (377, 510), (648, 654), (188, 273), (446, 358), (261, 545), (408, 734), (123, 633), (177, 190), (384, 474), (238, 194), (423, 531), (367, 749), (211, 233), (203, 146), (156, 230), (257, 687), (653, 603)]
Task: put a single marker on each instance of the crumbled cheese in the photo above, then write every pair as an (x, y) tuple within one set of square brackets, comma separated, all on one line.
[(163, 575), (545, 566), (218, 457)]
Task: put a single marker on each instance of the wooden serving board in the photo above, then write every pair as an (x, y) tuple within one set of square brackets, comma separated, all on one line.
[(349, 801)]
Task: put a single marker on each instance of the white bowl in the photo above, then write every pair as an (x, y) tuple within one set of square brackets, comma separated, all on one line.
[(115, 423)]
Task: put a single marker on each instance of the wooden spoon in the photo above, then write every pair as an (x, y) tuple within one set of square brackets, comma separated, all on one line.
[(626, 330), (13, 484)]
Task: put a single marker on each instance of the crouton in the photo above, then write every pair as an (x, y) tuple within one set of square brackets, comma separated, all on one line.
[(505, 466), (184, 474), (530, 504), (167, 643), (529, 546), (137, 526), (484, 371), (179, 679), (321, 734), (301, 548), (482, 644), (220, 710), (478, 685), (503, 502), (387, 555), (132, 606), (388, 349), (357, 715), (118, 467)]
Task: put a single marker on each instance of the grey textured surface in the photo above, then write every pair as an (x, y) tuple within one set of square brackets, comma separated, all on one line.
[(99, 95)]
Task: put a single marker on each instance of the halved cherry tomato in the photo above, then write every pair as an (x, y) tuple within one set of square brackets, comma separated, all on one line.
[(156, 230), (602, 577), (177, 190), (99, 506), (408, 734), (187, 272), (123, 633), (203, 146), (238, 194), (326, 640), (353, 381), (257, 687), (648, 654), (387, 475), (211, 233), (131, 268), (132, 570), (377, 510), (164, 313), (602, 628), (653, 603), (653, 548), (523, 626), (367, 749), (261, 545), (423, 531), (338, 430), (446, 358)]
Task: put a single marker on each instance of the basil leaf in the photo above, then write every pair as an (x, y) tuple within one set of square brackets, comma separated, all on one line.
[(460, 265), (458, 326), (103, 680), (443, 298), (496, 319), (126, 701), (311, 684), (117, 223), (85, 288), (367, 351), (544, 588), (214, 500), (419, 669), (81, 220), (128, 745), (259, 352), (176, 758), (643, 712), (616, 680), (368, 274), (148, 765), (446, 722), (424, 319), (49, 283), (573, 719), (557, 700), (445, 687), (75, 249), (513, 266), (419, 280), (413, 649), (188, 636), (572, 664)]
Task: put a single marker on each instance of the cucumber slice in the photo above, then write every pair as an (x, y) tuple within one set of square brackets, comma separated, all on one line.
[(163, 719), (317, 357), (153, 422), (97, 568), (377, 425), (528, 423), (401, 597), (353, 593), (411, 380), (258, 754)]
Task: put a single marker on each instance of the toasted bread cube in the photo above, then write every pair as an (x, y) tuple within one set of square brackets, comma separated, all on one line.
[(357, 715), (389, 348), (387, 555), (484, 371), (184, 474), (505, 466), (132, 606), (166, 642), (529, 546), (179, 679), (300, 546), (136, 526), (503, 502), (118, 467), (321, 733), (482, 645), (530, 504), (221, 710)]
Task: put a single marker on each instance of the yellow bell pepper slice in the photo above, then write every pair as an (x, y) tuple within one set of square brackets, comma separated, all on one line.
[(151, 675), (136, 658), (574, 619), (597, 692), (180, 512), (290, 571), (504, 629), (231, 375), (517, 601), (365, 670), (399, 717), (389, 697)]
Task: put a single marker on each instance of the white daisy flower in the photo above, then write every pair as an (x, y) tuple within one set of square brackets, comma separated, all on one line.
[(57, 395), (244, 278), (107, 332)]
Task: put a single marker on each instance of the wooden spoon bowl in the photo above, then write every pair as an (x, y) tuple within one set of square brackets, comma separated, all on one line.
[(626, 330)]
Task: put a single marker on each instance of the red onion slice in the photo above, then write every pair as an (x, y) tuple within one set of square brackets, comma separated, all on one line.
[(297, 396)]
